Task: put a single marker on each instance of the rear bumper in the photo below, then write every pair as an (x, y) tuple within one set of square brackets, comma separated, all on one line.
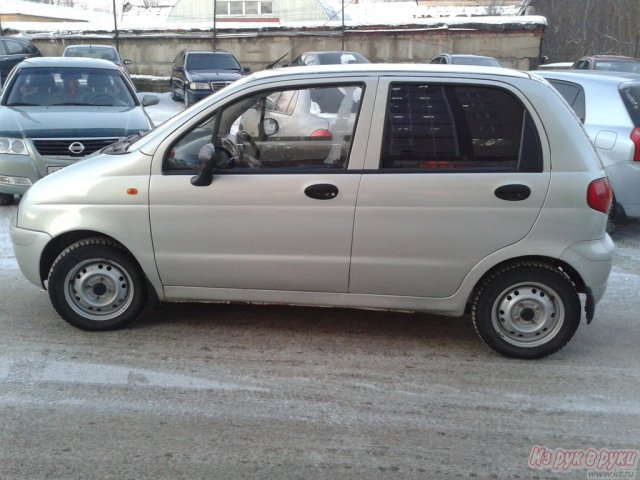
[(625, 181), (593, 260)]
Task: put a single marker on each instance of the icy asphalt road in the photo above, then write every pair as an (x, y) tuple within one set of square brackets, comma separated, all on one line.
[(233, 392)]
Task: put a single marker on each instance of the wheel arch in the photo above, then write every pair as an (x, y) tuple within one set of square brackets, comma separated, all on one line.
[(532, 260), (61, 242)]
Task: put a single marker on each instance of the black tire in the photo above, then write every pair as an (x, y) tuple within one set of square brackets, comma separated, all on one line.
[(186, 100), (617, 216), (174, 97), (6, 199), (95, 284), (526, 310)]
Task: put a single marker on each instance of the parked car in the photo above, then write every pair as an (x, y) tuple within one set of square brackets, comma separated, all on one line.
[(446, 201), (609, 107), (55, 111), (328, 58), (105, 52), (612, 63), (556, 66), (464, 59), (197, 74), (13, 50)]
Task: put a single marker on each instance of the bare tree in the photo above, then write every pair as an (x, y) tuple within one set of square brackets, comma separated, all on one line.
[(582, 27)]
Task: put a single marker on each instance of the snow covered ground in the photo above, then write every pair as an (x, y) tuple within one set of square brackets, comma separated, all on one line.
[(164, 110)]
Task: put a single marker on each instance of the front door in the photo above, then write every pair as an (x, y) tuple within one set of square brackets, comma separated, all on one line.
[(268, 221)]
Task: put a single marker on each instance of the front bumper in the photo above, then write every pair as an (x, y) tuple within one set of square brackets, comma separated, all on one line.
[(28, 246), (32, 167), (194, 96)]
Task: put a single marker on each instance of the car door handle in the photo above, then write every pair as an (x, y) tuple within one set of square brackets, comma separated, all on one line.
[(513, 193), (321, 191)]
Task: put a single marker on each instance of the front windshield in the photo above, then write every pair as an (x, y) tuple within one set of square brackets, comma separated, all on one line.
[(211, 61), (57, 86)]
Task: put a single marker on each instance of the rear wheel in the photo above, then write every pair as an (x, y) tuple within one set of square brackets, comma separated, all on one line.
[(95, 284), (526, 310)]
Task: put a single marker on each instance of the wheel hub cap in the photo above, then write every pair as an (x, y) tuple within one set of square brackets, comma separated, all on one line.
[(528, 314), (98, 289)]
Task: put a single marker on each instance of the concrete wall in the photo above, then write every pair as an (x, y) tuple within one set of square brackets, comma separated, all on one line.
[(153, 52)]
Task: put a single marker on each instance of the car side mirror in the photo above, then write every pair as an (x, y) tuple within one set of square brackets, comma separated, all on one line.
[(208, 163), (246, 70), (149, 100), (270, 126), (178, 69)]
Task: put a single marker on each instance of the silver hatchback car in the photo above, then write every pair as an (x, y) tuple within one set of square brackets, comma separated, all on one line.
[(609, 106), (435, 194)]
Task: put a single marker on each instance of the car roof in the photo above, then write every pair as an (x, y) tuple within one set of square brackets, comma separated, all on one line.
[(315, 52), (211, 52), (93, 45), (589, 76), (621, 58), (78, 62), (391, 68), (467, 55), (17, 39)]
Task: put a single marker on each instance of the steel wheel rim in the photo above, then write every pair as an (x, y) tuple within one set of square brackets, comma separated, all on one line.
[(98, 289), (528, 314)]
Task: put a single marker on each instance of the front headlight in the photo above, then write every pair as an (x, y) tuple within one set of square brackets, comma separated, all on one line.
[(12, 146), (199, 86)]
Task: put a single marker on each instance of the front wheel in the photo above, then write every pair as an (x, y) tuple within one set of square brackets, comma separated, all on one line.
[(95, 284), (526, 310)]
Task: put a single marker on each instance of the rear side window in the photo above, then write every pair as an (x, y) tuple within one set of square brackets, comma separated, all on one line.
[(631, 99), (573, 94), (453, 128)]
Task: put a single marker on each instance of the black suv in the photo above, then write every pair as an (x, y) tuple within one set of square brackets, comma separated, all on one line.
[(197, 74), (13, 50)]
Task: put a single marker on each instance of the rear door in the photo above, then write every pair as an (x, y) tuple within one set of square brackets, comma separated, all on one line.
[(456, 175)]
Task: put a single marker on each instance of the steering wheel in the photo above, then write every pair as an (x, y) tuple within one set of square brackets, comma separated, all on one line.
[(243, 136), (95, 100)]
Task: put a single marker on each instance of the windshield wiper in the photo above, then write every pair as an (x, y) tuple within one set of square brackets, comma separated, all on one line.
[(124, 143), (22, 104), (70, 104)]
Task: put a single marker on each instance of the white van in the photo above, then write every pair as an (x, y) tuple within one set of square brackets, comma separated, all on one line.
[(440, 189)]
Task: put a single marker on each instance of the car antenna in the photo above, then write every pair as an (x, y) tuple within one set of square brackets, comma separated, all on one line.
[(273, 64)]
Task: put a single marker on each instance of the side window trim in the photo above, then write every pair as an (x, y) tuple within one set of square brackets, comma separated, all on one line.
[(375, 154), (350, 82)]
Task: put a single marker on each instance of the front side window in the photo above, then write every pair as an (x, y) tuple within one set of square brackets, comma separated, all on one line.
[(293, 130), (582, 65), (453, 128), (16, 48)]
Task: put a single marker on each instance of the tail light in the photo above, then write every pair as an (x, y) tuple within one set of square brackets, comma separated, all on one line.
[(322, 133), (600, 195), (635, 138)]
